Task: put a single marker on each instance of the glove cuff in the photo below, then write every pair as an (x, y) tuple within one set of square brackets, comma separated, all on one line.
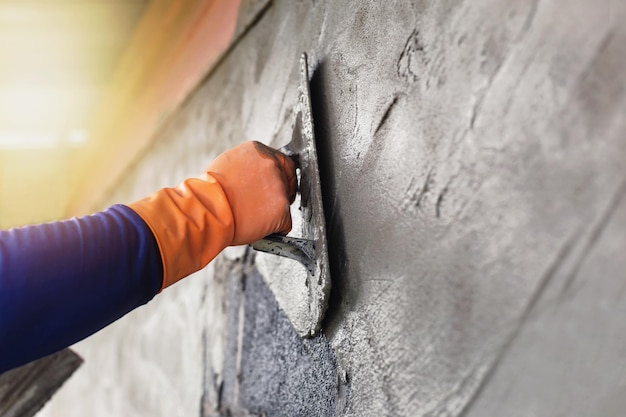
[(192, 224)]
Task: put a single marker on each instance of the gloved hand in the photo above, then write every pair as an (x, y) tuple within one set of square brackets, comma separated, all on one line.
[(242, 196)]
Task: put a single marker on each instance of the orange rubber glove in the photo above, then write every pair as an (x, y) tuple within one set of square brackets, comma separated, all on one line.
[(244, 195)]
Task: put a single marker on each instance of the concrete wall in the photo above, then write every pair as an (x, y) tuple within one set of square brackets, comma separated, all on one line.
[(473, 158)]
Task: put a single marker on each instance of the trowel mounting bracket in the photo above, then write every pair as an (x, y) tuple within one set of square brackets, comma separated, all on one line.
[(301, 250)]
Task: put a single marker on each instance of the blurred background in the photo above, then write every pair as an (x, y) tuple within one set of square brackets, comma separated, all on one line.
[(58, 59), (84, 85)]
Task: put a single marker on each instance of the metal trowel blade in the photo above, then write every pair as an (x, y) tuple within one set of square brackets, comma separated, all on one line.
[(311, 250)]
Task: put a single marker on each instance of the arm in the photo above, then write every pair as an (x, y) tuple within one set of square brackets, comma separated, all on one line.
[(61, 282)]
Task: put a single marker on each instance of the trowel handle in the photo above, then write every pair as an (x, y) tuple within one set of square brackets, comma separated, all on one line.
[(301, 250), (294, 155)]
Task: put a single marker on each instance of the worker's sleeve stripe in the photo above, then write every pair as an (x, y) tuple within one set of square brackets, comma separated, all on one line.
[(60, 282)]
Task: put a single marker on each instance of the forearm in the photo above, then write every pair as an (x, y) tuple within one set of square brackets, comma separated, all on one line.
[(63, 281)]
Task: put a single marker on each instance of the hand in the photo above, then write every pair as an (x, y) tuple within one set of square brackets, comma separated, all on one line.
[(260, 184), (243, 196)]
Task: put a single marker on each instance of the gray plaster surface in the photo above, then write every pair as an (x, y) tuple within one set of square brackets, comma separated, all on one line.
[(473, 161), (284, 374), (470, 151), (269, 369)]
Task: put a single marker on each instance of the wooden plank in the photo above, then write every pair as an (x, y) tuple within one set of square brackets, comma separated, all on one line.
[(25, 390), (175, 46)]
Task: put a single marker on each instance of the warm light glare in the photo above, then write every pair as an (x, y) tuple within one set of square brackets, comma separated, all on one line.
[(58, 60), (27, 106), (77, 137), (53, 70), (20, 140), (26, 140)]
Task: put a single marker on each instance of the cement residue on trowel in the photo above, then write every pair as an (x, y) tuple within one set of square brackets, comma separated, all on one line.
[(302, 292), (288, 281)]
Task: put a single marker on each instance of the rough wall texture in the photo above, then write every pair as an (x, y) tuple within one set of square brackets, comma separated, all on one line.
[(473, 156)]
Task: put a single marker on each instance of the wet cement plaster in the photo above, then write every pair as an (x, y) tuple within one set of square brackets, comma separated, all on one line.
[(470, 152), (269, 370), (473, 160)]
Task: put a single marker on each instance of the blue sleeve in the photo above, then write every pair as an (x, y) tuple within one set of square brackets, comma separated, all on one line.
[(61, 282)]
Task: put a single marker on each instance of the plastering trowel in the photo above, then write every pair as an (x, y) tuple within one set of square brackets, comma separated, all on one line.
[(311, 250)]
